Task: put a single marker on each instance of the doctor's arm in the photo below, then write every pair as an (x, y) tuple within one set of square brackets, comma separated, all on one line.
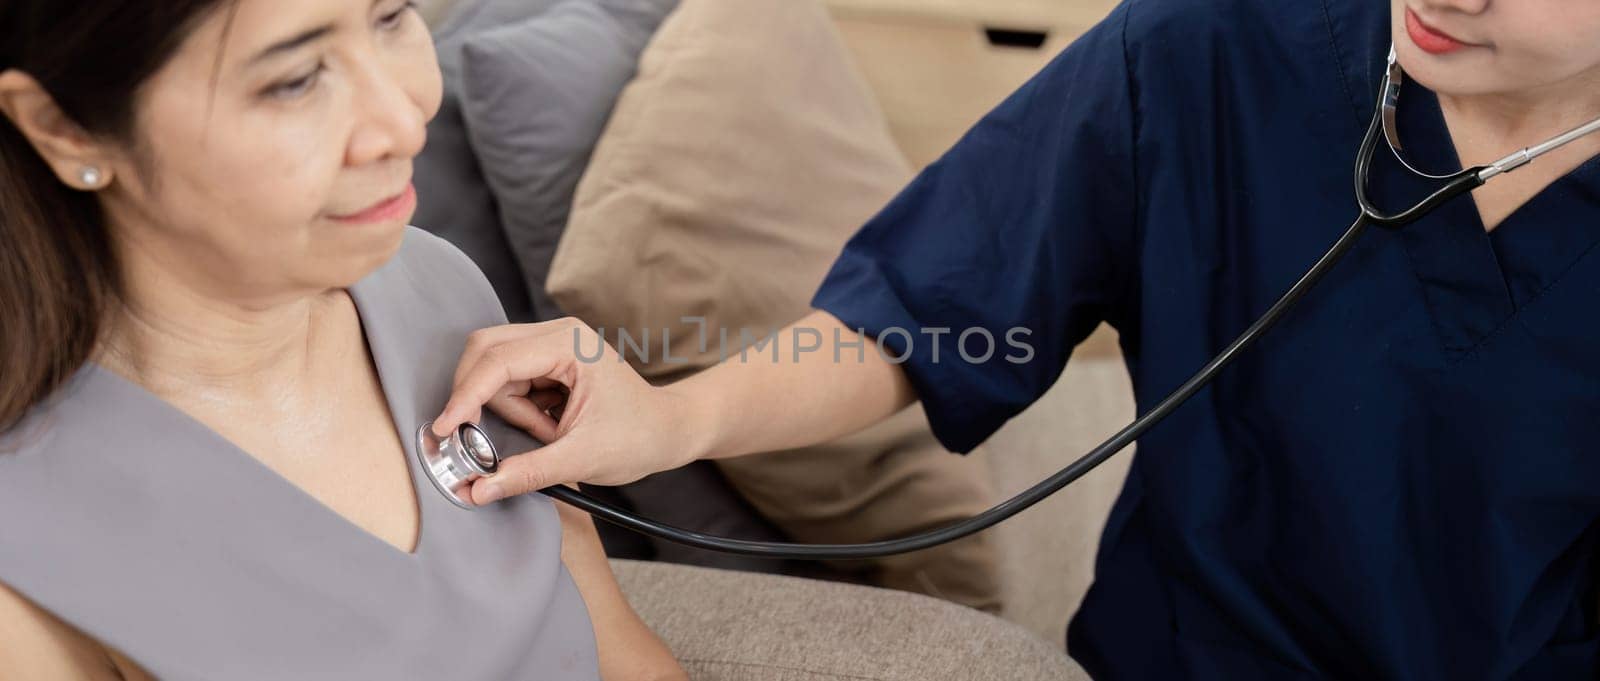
[(606, 425), (1029, 222), (759, 405)]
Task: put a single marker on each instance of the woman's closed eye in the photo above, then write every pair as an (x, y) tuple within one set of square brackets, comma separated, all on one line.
[(294, 88), (299, 86), (393, 20)]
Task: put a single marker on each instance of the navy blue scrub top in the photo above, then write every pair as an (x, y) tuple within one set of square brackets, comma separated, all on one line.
[(1400, 481)]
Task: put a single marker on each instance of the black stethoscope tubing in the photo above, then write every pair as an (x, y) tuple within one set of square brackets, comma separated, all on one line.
[(1381, 127), (1454, 185)]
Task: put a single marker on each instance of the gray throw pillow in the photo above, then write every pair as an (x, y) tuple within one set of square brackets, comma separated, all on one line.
[(456, 203), (536, 96), (453, 201)]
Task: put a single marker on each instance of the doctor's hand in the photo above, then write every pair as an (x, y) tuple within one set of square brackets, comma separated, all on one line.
[(600, 421)]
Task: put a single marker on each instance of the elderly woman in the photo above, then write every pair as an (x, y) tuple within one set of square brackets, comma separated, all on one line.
[(219, 340)]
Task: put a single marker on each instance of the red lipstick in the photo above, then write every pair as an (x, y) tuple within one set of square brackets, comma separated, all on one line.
[(397, 207), (1431, 40)]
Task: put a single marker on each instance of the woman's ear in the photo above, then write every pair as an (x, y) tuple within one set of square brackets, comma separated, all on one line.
[(76, 157)]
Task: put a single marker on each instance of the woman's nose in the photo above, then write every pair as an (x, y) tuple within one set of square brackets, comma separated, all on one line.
[(390, 121)]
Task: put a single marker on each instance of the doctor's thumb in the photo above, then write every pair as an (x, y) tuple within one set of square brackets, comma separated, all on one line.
[(558, 463)]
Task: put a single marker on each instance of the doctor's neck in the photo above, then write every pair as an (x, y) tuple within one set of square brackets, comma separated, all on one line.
[(1530, 114)]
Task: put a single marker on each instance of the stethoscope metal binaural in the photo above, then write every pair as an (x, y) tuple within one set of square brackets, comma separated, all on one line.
[(452, 463)]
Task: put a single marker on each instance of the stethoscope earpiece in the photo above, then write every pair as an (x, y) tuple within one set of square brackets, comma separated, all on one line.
[(452, 463)]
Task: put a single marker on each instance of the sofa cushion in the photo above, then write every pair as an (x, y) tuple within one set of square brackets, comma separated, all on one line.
[(535, 97), (725, 626)]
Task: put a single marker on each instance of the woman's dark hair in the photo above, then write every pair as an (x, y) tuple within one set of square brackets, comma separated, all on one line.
[(58, 278)]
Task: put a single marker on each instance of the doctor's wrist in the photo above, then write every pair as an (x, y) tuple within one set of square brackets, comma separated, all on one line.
[(692, 417)]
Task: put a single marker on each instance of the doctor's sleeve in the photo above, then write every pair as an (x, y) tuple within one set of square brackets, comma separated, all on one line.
[(1023, 233)]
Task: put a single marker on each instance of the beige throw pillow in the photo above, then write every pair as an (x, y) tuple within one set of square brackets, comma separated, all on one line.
[(734, 168)]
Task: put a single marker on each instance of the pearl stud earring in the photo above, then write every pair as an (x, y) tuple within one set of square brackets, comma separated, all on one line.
[(90, 176)]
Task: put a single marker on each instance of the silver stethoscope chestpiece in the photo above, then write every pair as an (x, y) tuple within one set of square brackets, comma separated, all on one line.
[(452, 463)]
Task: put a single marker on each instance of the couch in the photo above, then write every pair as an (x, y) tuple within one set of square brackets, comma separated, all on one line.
[(742, 625)]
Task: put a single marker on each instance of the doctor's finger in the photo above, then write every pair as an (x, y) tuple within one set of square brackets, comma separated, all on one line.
[(527, 414), (495, 368), (481, 340)]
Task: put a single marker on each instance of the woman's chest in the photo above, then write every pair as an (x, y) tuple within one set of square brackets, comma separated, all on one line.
[(336, 442)]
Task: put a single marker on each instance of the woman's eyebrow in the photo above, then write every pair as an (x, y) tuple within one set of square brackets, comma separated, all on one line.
[(297, 41)]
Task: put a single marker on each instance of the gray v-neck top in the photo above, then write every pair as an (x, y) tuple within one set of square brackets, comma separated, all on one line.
[(155, 535)]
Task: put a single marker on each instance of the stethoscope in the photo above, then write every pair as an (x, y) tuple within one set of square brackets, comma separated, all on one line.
[(452, 463)]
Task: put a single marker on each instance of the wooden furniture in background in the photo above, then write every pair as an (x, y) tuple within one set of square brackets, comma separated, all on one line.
[(937, 66)]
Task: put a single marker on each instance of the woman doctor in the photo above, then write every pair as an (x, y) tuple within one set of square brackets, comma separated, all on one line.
[(1400, 481)]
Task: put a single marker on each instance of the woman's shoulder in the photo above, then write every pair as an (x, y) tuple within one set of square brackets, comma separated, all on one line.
[(38, 645), (431, 261), (431, 274), (65, 419)]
